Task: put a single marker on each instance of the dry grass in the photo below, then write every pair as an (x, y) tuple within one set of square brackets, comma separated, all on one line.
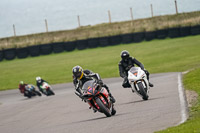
[(105, 29)]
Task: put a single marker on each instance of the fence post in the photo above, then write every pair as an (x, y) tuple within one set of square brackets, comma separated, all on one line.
[(151, 10), (79, 23), (176, 7), (131, 16), (131, 13), (46, 24), (14, 30), (109, 16), (7, 43)]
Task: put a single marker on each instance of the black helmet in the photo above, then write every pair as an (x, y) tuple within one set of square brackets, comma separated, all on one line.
[(77, 72), (125, 55)]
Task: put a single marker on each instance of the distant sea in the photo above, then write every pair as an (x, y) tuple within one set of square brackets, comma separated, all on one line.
[(29, 16)]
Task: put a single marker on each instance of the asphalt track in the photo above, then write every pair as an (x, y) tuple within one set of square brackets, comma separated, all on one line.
[(66, 113)]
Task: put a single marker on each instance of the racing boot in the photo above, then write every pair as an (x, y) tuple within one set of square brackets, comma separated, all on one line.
[(150, 84), (94, 110), (112, 98)]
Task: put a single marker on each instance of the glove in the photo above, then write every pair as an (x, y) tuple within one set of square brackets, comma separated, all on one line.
[(100, 82)]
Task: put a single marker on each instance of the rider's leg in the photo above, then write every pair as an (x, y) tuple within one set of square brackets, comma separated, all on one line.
[(112, 98), (125, 83), (147, 73)]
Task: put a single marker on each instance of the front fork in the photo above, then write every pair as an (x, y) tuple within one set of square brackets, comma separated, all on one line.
[(134, 85), (93, 103)]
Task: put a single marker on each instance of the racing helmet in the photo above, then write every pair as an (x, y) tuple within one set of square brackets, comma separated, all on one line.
[(77, 72), (21, 82), (125, 55), (38, 79)]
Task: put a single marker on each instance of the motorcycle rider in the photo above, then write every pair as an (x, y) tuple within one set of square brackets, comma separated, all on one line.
[(39, 82), (81, 76), (22, 86), (125, 65)]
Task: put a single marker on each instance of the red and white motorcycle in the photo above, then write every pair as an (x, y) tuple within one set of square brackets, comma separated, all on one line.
[(98, 98), (138, 81)]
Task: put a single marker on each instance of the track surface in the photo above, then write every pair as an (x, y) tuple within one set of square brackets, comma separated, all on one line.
[(66, 113)]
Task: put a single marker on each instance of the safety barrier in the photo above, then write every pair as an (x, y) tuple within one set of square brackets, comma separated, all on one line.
[(59, 47), (1, 55), (22, 53), (34, 50), (9, 54)]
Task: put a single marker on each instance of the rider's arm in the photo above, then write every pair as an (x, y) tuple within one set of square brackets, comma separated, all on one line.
[(96, 76), (138, 63), (20, 89), (121, 70), (93, 75), (75, 81), (39, 87), (42, 80), (76, 85)]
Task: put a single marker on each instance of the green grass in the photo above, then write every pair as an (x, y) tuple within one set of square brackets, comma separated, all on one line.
[(169, 55), (192, 125)]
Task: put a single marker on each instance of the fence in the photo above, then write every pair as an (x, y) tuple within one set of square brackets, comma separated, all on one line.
[(109, 18)]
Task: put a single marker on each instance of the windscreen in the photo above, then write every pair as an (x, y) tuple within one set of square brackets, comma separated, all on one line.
[(87, 84), (133, 69)]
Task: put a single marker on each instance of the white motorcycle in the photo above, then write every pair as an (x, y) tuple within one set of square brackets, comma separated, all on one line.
[(47, 89), (138, 81)]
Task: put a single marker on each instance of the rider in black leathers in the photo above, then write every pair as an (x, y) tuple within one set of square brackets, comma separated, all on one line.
[(124, 66), (39, 82), (81, 76)]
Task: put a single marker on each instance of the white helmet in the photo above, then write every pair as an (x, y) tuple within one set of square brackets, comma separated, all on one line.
[(38, 79)]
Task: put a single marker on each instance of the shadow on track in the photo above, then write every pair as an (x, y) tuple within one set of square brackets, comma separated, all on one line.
[(104, 117), (131, 102)]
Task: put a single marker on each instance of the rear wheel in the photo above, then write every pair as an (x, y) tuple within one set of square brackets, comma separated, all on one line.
[(103, 108), (142, 91)]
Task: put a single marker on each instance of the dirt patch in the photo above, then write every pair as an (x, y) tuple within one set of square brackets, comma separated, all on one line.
[(191, 97)]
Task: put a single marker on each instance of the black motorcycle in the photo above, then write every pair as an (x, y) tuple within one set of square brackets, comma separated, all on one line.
[(30, 91)]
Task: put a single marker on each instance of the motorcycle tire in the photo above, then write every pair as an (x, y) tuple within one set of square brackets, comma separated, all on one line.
[(103, 108), (142, 91), (27, 95), (38, 93), (113, 111), (50, 92)]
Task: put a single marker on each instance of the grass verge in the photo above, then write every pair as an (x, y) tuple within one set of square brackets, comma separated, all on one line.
[(192, 125), (169, 55)]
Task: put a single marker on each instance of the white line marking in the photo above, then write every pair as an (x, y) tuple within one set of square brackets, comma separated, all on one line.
[(184, 112)]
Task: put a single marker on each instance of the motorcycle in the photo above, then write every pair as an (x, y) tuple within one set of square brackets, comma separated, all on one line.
[(138, 81), (97, 97), (47, 89), (31, 91)]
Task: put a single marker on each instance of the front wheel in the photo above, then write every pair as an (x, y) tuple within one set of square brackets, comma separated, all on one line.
[(142, 91), (113, 111), (38, 93), (27, 94), (50, 92), (103, 108)]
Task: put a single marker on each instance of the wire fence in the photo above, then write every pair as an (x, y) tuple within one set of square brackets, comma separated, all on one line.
[(109, 18)]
